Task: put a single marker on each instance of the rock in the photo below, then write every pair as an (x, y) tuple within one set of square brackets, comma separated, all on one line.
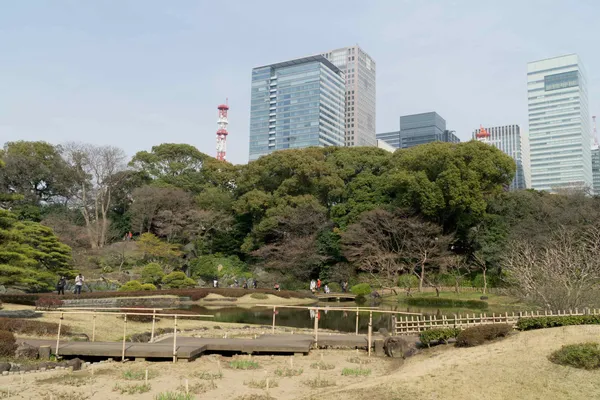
[(44, 353), (47, 365), (4, 367), (75, 364), (26, 351), (396, 347)]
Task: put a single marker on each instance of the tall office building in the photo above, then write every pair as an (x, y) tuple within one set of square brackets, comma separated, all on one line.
[(296, 104), (359, 71), (391, 138), (508, 139), (596, 169), (559, 128), (424, 128)]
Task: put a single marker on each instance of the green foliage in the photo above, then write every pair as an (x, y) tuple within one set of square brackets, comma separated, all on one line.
[(582, 355), (259, 296), (322, 366), (478, 335), (178, 280), (223, 267), (288, 372), (148, 286), (132, 388), (356, 372), (138, 374), (243, 364), (530, 323), (156, 249), (408, 281), (174, 396), (152, 273), (438, 335), (446, 302), (131, 286), (8, 344), (362, 289)]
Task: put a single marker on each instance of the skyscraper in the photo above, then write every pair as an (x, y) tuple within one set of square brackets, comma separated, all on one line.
[(424, 128), (359, 70), (391, 138), (296, 104), (559, 128), (596, 169), (508, 139)]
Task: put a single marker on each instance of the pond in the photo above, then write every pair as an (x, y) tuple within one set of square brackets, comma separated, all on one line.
[(344, 321)]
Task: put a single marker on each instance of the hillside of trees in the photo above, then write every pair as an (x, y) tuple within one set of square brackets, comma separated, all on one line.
[(430, 215)]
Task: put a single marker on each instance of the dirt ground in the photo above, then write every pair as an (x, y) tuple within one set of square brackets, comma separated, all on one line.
[(513, 368)]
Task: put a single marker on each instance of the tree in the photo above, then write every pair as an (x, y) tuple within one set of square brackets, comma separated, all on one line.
[(149, 201), (158, 251), (563, 274), (384, 242), (97, 174), (152, 273), (178, 280)]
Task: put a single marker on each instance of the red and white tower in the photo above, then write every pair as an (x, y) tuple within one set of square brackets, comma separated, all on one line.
[(222, 131)]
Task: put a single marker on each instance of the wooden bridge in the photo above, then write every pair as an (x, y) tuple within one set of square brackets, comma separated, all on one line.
[(336, 296)]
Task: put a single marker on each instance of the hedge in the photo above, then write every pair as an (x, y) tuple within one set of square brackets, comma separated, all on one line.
[(478, 335), (195, 294), (362, 289), (446, 302), (31, 327), (582, 355), (438, 335), (8, 344), (530, 323)]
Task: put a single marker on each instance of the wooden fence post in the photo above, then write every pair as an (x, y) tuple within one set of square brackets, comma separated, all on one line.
[(153, 325), (274, 313), (370, 331), (124, 335), (94, 327), (175, 341), (356, 320), (58, 334), (316, 328)]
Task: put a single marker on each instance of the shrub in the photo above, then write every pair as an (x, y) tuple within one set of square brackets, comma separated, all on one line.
[(132, 389), (356, 372), (8, 344), (32, 327), (438, 335), (131, 286), (139, 318), (288, 372), (322, 365), (362, 289), (319, 382), (243, 364), (446, 302), (148, 286), (408, 281), (529, 323), (174, 396), (152, 273), (582, 355), (178, 280), (477, 335), (48, 303), (334, 287)]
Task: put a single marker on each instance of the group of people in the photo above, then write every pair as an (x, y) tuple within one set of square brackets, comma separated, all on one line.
[(62, 284), (316, 285)]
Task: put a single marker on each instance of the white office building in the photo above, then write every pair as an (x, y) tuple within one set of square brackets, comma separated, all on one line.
[(508, 139), (559, 127)]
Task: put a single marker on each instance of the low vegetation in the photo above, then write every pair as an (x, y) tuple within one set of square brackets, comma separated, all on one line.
[(138, 374), (7, 344), (288, 372), (259, 296), (32, 327), (208, 376), (132, 388), (362, 289), (319, 382), (358, 360), (243, 364), (356, 372), (446, 302), (174, 396), (197, 387), (583, 355), (322, 365), (431, 336), (478, 335), (529, 323), (262, 383)]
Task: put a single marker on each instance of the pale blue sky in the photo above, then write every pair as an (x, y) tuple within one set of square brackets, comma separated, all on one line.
[(136, 73)]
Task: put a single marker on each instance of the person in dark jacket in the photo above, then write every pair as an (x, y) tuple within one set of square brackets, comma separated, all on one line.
[(60, 286)]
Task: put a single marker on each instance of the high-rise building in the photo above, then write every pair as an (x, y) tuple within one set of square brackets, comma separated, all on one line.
[(508, 139), (359, 70), (424, 128), (596, 169), (296, 104), (382, 144), (391, 138), (559, 128)]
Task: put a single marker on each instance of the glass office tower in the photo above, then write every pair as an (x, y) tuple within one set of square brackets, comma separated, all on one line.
[(424, 128), (560, 137), (391, 138), (296, 104)]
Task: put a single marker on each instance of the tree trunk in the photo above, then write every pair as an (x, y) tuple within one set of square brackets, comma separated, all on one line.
[(421, 278), (484, 280)]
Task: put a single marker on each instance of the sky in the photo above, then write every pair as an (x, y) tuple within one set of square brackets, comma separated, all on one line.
[(137, 73)]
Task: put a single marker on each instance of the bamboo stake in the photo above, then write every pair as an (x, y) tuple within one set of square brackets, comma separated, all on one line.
[(58, 335), (153, 325), (175, 341), (124, 335), (357, 321), (316, 328), (94, 327), (274, 313), (370, 331)]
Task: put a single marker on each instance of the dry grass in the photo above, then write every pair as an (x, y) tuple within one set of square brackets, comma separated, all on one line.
[(262, 383)]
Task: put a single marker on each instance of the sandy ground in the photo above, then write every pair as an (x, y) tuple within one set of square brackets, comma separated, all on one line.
[(514, 368)]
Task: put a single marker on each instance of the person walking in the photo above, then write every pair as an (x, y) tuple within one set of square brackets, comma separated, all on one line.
[(313, 286), (79, 280), (60, 286), (215, 283), (319, 285), (255, 283)]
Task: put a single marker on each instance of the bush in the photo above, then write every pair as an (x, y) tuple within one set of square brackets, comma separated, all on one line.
[(131, 286), (408, 281), (259, 296), (529, 323), (362, 289), (446, 302), (438, 335), (479, 334), (583, 355), (152, 273), (48, 303), (148, 286), (178, 280), (334, 287), (8, 344), (31, 327)]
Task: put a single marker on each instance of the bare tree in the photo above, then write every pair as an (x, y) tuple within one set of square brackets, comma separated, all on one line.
[(564, 274), (96, 173)]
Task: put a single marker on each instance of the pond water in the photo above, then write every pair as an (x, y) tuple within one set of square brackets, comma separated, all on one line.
[(344, 321)]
